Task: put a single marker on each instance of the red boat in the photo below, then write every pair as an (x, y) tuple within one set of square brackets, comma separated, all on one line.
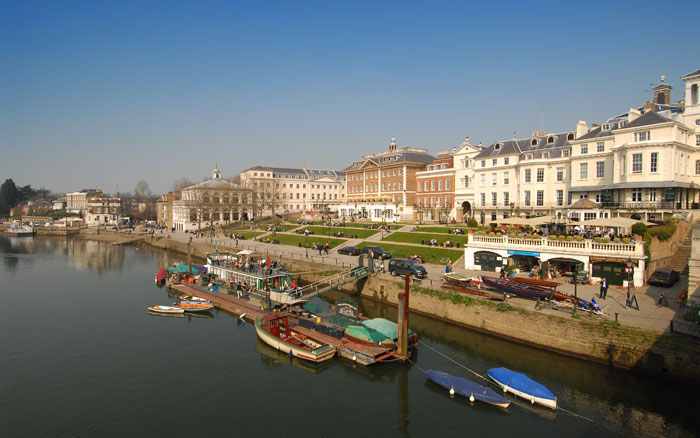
[(518, 289)]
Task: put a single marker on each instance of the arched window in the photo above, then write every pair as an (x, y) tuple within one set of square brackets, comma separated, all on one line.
[(550, 140), (533, 142), (697, 167), (571, 136)]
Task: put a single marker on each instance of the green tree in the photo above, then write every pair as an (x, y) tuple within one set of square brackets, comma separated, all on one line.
[(8, 196)]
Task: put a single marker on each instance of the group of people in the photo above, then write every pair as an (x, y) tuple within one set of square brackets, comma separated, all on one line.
[(321, 247)]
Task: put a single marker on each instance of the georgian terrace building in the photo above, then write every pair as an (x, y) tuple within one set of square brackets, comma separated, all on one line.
[(382, 186), (103, 210), (463, 159), (436, 185), (297, 190)]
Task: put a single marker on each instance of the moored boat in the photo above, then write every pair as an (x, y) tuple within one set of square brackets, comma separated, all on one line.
[(274, 329), (522, 386), (157, 308), (194, 306), (465, 285), (518, 289), (161, 275), (378, 331), (473, 391)]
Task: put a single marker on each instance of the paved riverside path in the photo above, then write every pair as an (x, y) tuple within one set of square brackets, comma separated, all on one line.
[(650, 316)]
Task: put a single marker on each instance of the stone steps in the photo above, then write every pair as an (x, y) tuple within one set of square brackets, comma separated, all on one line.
[(680, 259)]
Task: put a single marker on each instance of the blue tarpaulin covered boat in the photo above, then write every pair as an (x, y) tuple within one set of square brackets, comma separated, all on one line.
[(467, 388), (522, 386)]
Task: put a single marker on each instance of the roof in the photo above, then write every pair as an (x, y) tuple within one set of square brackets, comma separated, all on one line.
[(649, 118), (216, 184), (541, 144), (694, 73), (277, 171), (394, 157), (583, 204)]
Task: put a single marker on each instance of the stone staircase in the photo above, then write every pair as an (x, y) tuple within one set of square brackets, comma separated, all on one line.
[(681, 257)]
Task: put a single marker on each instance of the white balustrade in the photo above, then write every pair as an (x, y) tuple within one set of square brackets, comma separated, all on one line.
[(586, 246)]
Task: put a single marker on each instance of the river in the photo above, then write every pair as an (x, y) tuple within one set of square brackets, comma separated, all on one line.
[(81, 356)]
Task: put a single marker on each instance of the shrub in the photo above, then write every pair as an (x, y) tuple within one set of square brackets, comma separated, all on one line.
[(597, 239), (499, 234), (552, 237), (579, 238), (626, 240), (511, 235), (520, 234), (606, 240), (569, 238), (639, 228), (617, 240), (562, 238), (492, 234), (472, 223)]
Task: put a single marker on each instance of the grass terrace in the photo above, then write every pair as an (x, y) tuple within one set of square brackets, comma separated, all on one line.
[(361, 225), (360, 232), (247, 234), (441, 230), (415, 237), (282, 227), (430, 254), (295, 240)]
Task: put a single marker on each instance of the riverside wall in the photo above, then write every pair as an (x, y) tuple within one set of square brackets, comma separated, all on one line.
[(669, 355)]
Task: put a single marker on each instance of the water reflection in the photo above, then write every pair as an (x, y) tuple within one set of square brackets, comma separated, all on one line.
[(274, 358)]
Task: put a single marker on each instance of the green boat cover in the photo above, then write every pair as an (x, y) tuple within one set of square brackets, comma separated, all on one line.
[(365, 334), (183, 268), (387, 328)]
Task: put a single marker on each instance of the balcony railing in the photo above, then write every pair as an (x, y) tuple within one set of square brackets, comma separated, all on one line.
[(585, 246), (656, 205)]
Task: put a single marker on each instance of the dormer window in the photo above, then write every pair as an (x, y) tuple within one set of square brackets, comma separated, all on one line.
[(497, 146), (570, 136), (533, 142), (550, 139), (606, 127), (623, 123)]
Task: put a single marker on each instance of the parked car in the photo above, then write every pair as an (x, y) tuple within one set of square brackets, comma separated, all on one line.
[(376, 252), (664, 277), (349, 250), (407, 266)]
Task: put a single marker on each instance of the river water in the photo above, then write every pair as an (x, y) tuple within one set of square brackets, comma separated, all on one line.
[(81, 356)]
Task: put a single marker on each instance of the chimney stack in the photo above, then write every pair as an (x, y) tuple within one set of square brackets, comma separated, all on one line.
[(581, 128)]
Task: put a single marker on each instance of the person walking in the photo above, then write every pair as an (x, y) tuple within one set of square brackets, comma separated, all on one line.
[(503, 273), (603, 288), (328, 247)]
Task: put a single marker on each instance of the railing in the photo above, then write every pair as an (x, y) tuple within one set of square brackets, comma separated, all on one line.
[(575, 246), (329, 283), (657, 205)]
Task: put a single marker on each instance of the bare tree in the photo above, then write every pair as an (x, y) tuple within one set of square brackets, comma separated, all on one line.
[(181, 183), (142, 190)]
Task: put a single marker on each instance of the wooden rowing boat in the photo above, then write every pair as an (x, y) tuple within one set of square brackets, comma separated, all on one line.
[(518, 289), (535, 282), (170, 310), (482, 293), (275, 331), (194, 306)]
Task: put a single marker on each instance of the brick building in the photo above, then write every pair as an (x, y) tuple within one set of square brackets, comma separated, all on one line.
[(436, 189)]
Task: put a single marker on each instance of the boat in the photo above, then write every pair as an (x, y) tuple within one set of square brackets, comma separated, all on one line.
[(518, 289), (378, 331), (274, 329), (535, 282), (20, 231), (194, 306), (467, 285), (522, 386), (157, 308), (161, 275), (467, 388)]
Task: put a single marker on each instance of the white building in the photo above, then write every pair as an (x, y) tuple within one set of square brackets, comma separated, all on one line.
[(103, 210), (464, 179)]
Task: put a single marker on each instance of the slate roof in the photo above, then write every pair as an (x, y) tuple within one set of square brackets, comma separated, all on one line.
[(525, 146), (314, 173), (695, 73), (394, 157), (650, 118)]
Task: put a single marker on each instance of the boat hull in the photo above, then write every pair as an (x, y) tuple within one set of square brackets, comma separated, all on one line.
[(167, 310), (318, 355), (522, 386), (481, 293), (518, 289), (467, 388)]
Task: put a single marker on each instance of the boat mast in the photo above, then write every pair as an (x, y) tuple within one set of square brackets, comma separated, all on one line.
[(403, 321)]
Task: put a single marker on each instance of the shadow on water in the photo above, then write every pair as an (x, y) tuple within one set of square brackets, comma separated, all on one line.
[(274, 358)]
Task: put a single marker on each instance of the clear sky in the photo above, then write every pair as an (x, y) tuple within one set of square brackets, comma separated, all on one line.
[(106, 93)]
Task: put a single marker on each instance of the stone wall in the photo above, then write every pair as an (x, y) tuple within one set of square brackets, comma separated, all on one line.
[(694, 267), (663, 252)]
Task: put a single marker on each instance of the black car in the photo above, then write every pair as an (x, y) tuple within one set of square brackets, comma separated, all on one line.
[(407, 266), (349, 250), (664, 277), (376, 252)]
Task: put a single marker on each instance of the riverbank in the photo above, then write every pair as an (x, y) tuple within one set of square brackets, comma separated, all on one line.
[(664, 354)]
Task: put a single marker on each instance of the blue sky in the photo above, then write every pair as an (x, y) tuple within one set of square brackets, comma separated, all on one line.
[(104, 94)]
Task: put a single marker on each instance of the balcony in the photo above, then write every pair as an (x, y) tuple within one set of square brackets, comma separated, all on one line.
[(653, 206), (582, 247)]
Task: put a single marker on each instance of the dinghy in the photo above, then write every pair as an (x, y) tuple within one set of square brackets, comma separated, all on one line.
[(157, 308), (467, 388), (522, 386)]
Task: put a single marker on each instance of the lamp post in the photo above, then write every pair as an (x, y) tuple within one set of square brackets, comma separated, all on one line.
[(629, 281)]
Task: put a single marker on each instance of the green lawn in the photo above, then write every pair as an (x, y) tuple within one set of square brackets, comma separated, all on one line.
[(360, 232), (281, 227), (248, 234), (429, 254), (294, 240), (361, 225), (435, 229), (415, 237)]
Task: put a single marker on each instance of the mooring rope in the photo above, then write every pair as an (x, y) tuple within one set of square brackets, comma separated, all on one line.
[(574, 414)]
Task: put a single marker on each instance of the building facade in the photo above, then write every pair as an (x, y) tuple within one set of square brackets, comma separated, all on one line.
[(164, 209), (213, 202), (77, 202), (382, 186), (463, 162), (281, 190), (103, 210), (436, 188)]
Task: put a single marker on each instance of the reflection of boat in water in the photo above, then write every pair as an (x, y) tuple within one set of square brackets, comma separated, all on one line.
[(274, 329), (274, 358), (167, 310), (473, 391), (171, 315)]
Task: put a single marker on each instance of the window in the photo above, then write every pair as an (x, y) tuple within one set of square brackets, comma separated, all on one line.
[(653, 167), (583, 174), (483, 163), (528, 175), (432, 186), (697, 140), (540, 174), (506, 160), (494, 162), (584, 149), (652, 195), (494, 179), (420, 186), (540, 198), (600, 146), (447, 184), (560, 174), (506, 178), (623, 169), (400, 172), (483, 179), (597, 198), (697, 167), (527, 198), (466, 181), (560, 198), (494, 199), (642, 136), (440, 185), (394, 186), (400, 185), (600, 169), (420, 202), (636, 163), (506, 198), (636, 195), (566, 152), (483, 199)]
